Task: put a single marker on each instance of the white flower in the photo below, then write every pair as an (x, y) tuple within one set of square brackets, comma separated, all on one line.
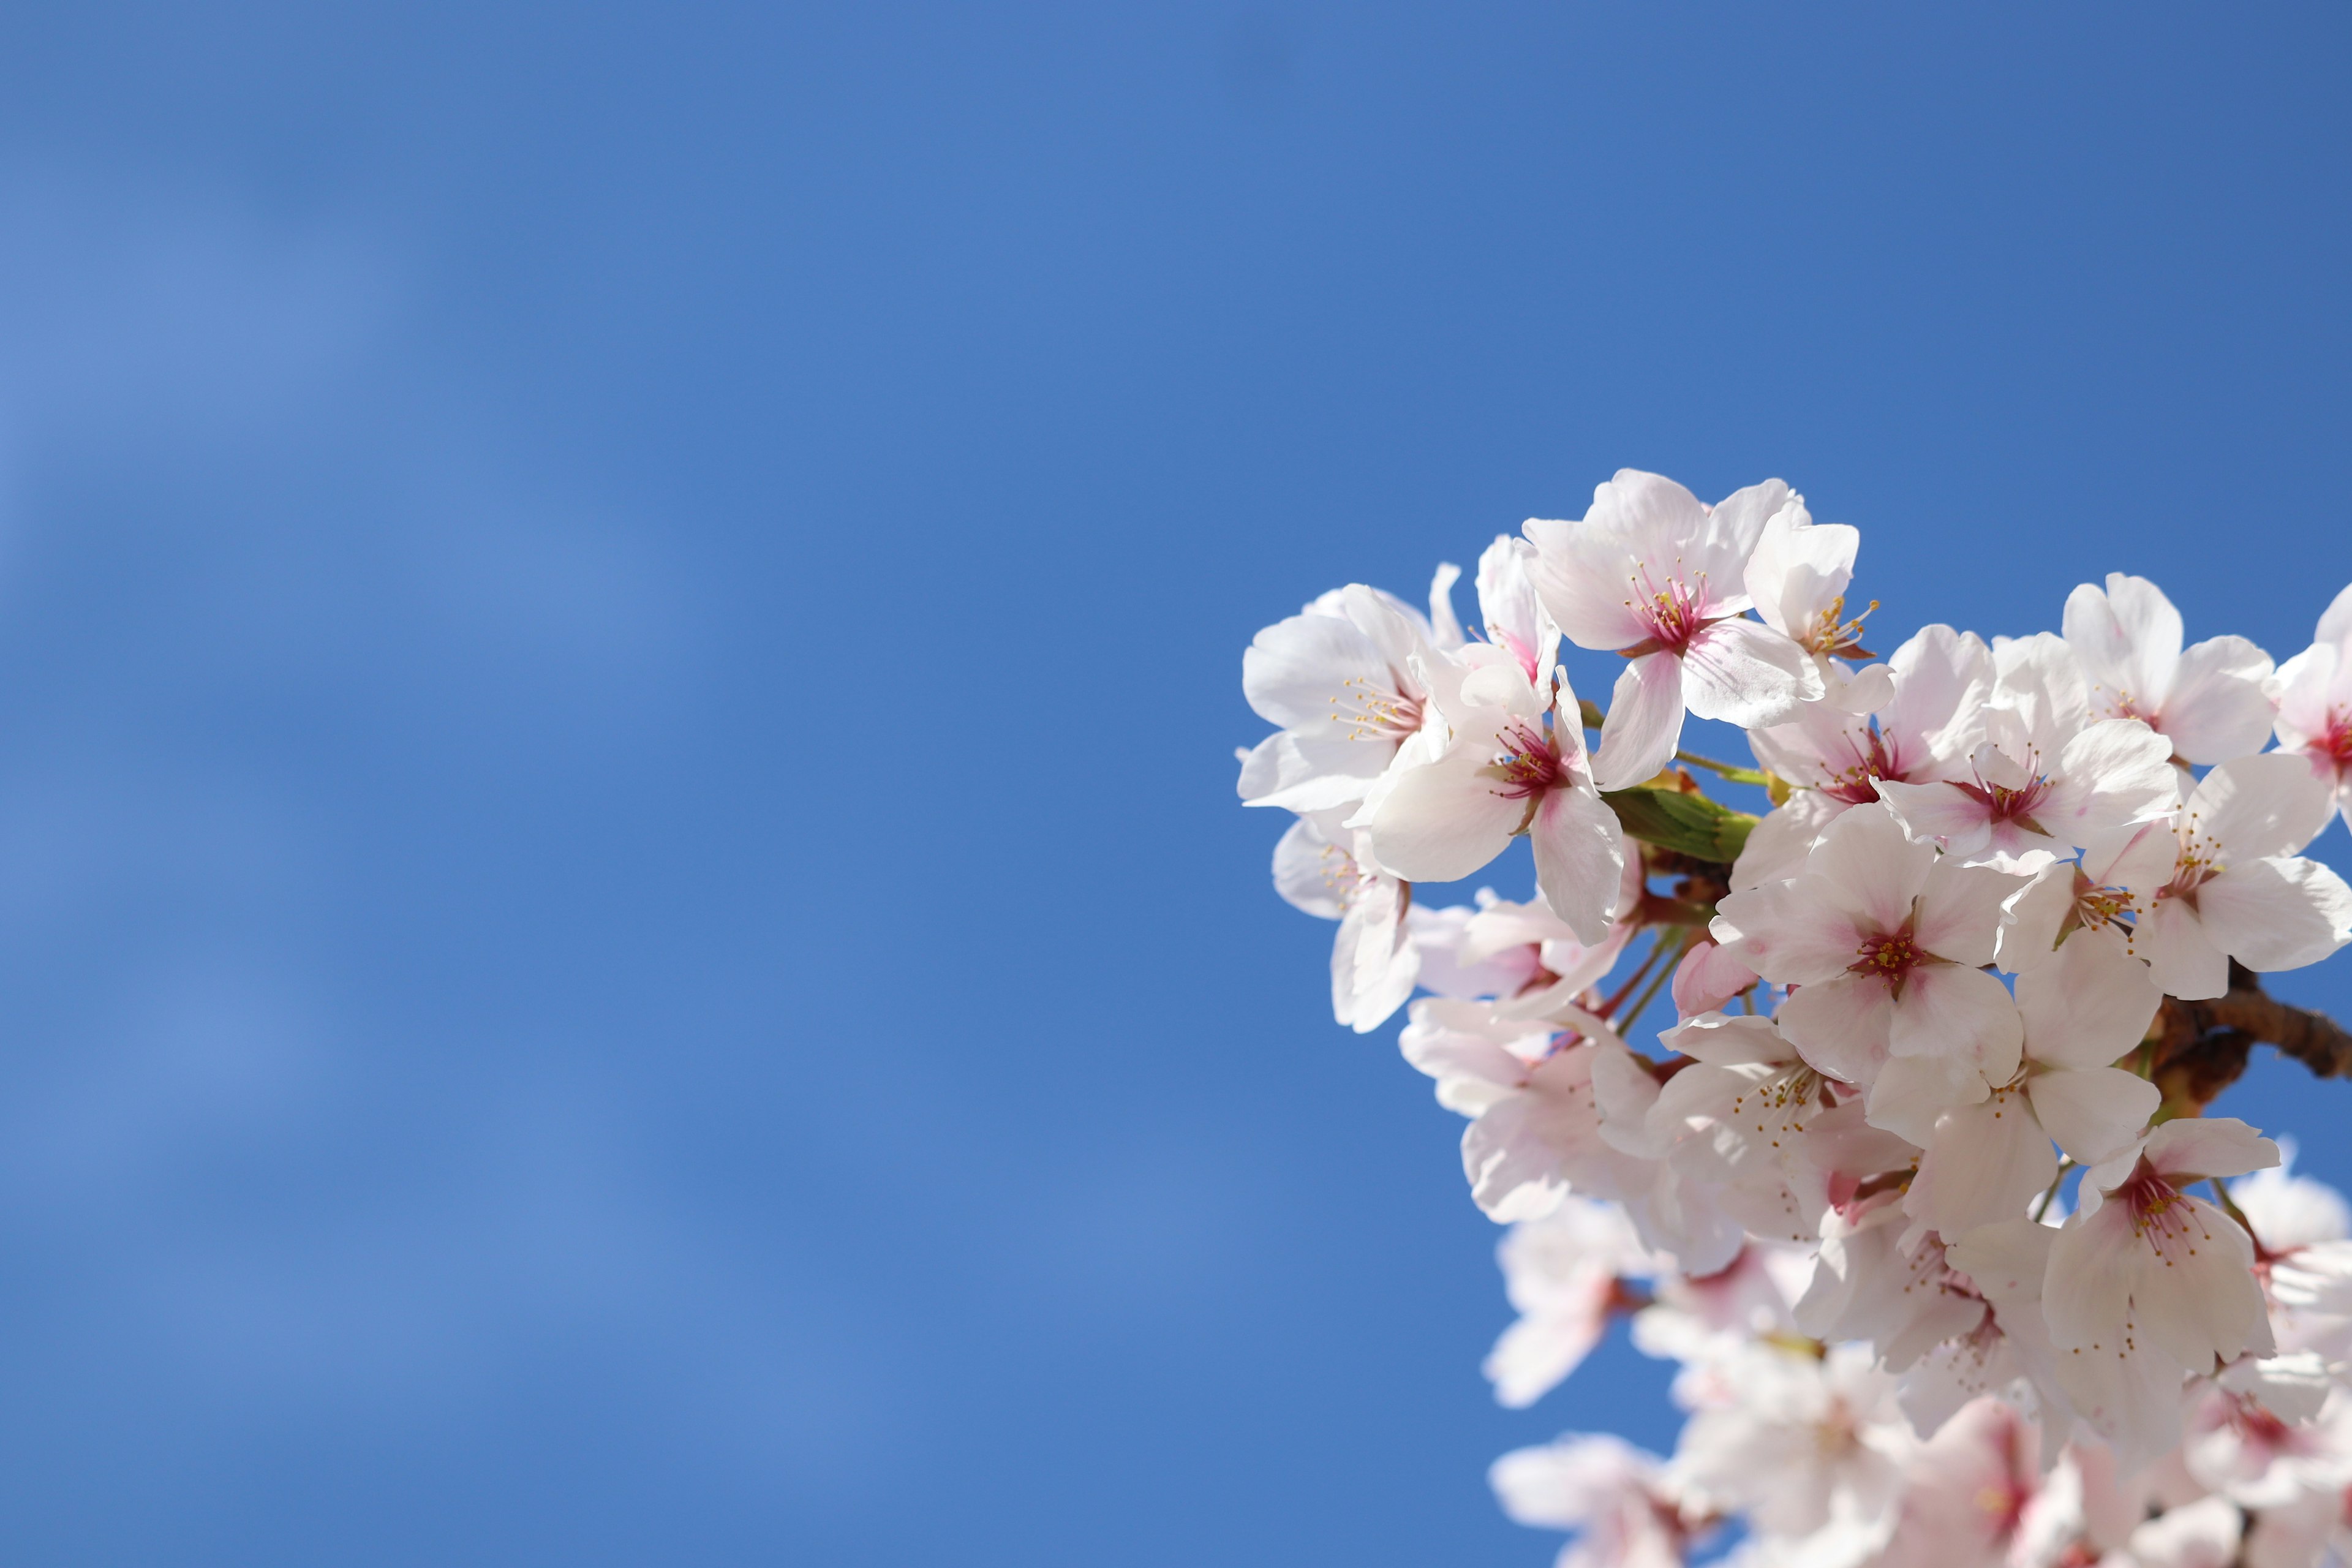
[(2210, 704), (2266, 1432), (1966, 1491), (1925, 730), (2082, 1011), (1811, 1447), (1612, 1494), (1561, 965), (2152, 1282), (1348, 681), (1373, 962), (1651, 572), (1564, 1276), (2223, 880), (2315, 712), (2041, 779), (1536, 1133), (1883, 939), (1797, 578), (1506, 772), (1733, 1119)]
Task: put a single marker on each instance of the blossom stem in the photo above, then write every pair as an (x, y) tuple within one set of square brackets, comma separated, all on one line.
[(1736, 774), (2050, 1194), (1678, 943)]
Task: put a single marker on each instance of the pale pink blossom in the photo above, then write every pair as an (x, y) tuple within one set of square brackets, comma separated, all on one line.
[(2210, 704), (1515, 765), (1882, 938), (1653, 574), (1966, 1493), (1798, 577), (1811, 1447), (2315, 707), (1925, 730), (1349, 680), (1374, 961), (1565, 1275), (1617, 1499), (2150, 1279), (2223, 880), (2082, 1011), (2043, 778)]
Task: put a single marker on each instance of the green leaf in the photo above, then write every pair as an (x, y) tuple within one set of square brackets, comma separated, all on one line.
[(1689, 823)]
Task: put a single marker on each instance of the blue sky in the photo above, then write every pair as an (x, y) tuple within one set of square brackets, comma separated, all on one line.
[(623, 935)]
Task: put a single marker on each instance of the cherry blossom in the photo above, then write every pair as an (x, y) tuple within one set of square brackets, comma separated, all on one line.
[(1883, 939), (1515, 765), (2043, 778), (2211, 702), (2223, 879), (2315, 703), (1925, 730), (1653, 574), (1886, 1113)]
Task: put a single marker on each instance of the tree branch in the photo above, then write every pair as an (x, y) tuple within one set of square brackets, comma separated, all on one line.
[(2201, 1048)]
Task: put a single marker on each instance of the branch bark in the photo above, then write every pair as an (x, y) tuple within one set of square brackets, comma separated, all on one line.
[(2201, 1048)]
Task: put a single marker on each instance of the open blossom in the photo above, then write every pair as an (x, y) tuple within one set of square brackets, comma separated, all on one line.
[(2043, 778), (1565, 1273), (1326, 870), (2315, 709), (2147, 1275), (2223, 879), (2211, 702), (1925, 729), (1653, 574), (1798, 577), (1617, 1499), (1349, 680), (1811, 1446), (1515, 765), (1932, 1246), (1882, 937), (1986, 1160)]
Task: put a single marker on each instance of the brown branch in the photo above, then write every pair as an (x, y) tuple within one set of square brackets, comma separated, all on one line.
[(2201, 1048)]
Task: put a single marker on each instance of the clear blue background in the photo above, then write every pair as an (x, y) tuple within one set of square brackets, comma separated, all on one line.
[(624, 934)]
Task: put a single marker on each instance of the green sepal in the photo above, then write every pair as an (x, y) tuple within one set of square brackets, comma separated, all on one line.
[(1688, 824)]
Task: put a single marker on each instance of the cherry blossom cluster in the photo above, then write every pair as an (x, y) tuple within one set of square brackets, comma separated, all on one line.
[(1957, 1268)]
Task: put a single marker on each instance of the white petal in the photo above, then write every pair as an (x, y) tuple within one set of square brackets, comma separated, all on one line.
[(2257, 807), (2220, 708), (1744, 673), (1960, 909), (1443, 820), (1777, 846), (1580, 852), (2279, 913), (2198, 1148), (1965, 1015), (1911, 1093), (1939, 812), (2335, 621), (1840, 1026), (1793, 932), (2093, 1113), (2203, 1304), (1984, 1163), (2114, 774), (2179, 955), (2093, 1265), (1644, 723), (1869, 867), (2088, 1006)]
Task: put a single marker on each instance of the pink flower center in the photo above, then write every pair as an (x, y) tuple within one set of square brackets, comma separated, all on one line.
[(2336, 741), (1527, 764), (2161, 1215), (1373, 712), (1673, 615), (1874, 759), (1890, 958), (2006, 804)]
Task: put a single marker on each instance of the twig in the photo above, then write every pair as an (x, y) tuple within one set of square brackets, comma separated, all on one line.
[(2202, 1048), (1734, 773), (2050, 1195)]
